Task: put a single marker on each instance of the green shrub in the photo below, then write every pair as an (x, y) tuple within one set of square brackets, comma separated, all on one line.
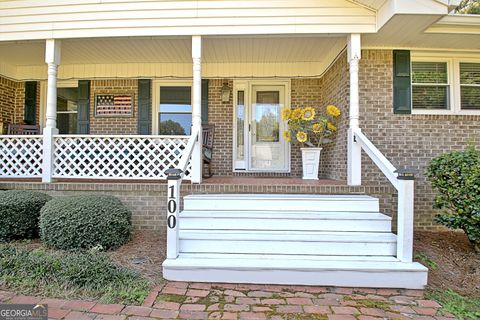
[(19, 213), (84, 222), (456, 177), (70, 275)]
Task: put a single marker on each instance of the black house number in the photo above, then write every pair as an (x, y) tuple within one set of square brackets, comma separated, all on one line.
[(172, 208)]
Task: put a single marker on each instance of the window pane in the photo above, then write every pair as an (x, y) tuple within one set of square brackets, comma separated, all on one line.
[(240, 125), (67, 123), (429, 72), (430, 97), (470, 73), (175, 99), (67, 99), (470, 97), (175, 123)]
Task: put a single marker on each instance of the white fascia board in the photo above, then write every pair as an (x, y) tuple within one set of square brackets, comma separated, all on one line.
[(393, 7), (457, 24)]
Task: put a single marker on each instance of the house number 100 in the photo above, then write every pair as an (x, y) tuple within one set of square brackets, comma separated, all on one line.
[(172, 208)]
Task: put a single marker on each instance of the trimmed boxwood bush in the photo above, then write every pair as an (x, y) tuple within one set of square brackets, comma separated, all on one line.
[(19, 213), (456, 177), (84, 222)]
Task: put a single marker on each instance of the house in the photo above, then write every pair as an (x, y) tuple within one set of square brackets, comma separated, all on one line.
[(121, 90)]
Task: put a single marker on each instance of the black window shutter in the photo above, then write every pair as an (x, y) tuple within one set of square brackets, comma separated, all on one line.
[(204, 101), (83, 107), (402, 91), (144, 107), (30, 109)]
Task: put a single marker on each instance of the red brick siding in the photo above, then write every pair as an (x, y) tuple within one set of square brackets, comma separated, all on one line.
[(113, 125), (335, 90), (8, 90), (406, 140)]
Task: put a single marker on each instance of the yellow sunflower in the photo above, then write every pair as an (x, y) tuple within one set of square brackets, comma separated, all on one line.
[(286, 113), (308, 113), (301, 136), (296, 114), (317, 128), (331, 127), (287, 136), (333, 111)]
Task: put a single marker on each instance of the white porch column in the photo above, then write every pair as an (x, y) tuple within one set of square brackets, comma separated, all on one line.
[(354, 152), (197, 161), (52, 58)]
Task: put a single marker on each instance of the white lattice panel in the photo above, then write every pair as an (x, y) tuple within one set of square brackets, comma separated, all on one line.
[(117, 157), (21, 156)]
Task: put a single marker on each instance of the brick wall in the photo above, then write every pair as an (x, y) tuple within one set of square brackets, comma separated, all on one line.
[(406, 140), (305, 93), (220, 114), (8, 90), (113, 125), (335, 90)]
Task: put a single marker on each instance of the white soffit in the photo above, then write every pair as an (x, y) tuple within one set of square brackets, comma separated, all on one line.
[(408, 31), (164, 50)]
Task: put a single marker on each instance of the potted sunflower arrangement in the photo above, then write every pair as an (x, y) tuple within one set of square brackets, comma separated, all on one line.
[(311, 130)]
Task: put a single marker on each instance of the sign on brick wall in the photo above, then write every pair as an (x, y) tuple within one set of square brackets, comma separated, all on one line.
[(113, 105)]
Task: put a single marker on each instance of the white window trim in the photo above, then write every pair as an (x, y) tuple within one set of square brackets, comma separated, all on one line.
[(453, 69), (156, 97), (43, 97)]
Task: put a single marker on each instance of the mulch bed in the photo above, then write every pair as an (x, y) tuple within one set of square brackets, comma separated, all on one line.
[(458, 266), (145, 253)]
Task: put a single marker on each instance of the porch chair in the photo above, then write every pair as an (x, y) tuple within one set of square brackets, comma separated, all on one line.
[(207, 150), (22, 129)]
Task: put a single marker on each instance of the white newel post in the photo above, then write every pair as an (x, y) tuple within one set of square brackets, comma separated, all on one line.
[(197, 108), (173, 208), (405, 220), (354, 152), (52, 58)]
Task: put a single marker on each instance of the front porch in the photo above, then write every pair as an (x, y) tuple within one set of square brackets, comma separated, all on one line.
[(319, 232)]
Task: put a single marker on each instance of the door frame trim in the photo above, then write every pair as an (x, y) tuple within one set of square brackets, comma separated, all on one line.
[(246, 85)]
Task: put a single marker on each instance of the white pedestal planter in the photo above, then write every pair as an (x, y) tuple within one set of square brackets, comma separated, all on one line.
[(311, 162)]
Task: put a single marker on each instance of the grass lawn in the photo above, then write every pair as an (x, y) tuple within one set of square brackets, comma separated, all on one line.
[(460, 306), (69, 275)]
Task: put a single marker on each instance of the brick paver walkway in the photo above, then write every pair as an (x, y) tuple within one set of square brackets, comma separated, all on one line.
[(178, 300)]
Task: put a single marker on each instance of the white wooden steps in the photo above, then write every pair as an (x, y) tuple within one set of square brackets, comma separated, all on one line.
[(337, 240)]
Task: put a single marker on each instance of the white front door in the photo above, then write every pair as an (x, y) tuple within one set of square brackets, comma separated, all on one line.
[(260, 145)]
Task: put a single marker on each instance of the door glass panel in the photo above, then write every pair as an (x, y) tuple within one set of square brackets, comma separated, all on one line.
[(175, 116), (267, 147), (267, 116), (240, 125)]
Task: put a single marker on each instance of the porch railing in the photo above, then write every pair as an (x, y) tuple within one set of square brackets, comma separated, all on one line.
[(117, 157), (175, 177), (405, 189), (21, 156), (94, 156)]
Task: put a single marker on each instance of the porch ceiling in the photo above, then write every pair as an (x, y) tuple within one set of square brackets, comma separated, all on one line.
[(175, 50)]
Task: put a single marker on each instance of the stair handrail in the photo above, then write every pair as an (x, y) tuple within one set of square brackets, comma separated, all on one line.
[(403, 181), (174, 182)]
